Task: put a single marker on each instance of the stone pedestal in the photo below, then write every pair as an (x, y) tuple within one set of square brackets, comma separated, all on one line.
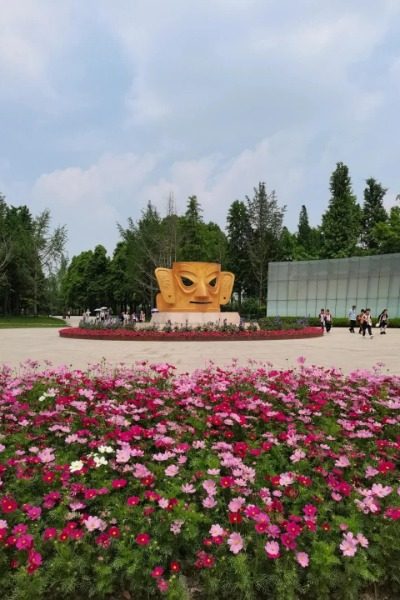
[(194, 319)]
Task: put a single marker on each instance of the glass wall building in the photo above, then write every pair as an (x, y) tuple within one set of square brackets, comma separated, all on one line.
[(302, 288)]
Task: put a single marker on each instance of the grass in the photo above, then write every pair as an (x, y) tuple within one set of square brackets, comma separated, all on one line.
[(17, 322)]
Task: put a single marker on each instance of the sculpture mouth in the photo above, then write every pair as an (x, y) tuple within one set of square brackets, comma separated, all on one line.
[(200, 302)]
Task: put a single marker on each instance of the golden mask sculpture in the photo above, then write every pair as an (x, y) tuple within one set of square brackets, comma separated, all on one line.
[(194, 287)]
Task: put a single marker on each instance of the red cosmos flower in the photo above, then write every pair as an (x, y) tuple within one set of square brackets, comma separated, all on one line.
[(24, 542), (133, 500), (103, 540), (206, 542), (175, 566), (235, 517), (204, 560), (49, 533), (48, 476), (119, 483), (64, 535), (266, 446), (143, 539), (385, 466), (226, 482), (8, 504), (147, 481), (288, 541), (240, 448), (3, 534), (114, 532), (326, 526), (393, 512), (157, 572)]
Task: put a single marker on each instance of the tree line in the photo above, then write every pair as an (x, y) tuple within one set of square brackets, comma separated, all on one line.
[(35, 275)]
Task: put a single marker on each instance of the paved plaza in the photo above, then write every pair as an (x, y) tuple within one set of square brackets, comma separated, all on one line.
[(338, 349)]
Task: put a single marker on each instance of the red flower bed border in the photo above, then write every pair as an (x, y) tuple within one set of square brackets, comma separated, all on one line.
[(142, 335)]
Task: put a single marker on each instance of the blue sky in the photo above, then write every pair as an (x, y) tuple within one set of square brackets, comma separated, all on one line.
[(107, 105)]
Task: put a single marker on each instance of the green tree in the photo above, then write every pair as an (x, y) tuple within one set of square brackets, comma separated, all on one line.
[(373, 212), (266, 219), (386, 235), (239, 236), (192, 246), (47, 252), (341, 222)]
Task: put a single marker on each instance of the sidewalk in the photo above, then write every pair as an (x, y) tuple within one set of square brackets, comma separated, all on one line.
[(339, 349)]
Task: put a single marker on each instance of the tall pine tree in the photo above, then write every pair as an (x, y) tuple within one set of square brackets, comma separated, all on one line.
[(266, 219), (239, 236), (373, 212), (341, 223)]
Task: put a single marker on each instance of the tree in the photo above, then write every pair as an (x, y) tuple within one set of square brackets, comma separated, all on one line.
[(341, 222), (239, 236), (47, 250), (373, 212), (192, 248), (386, 235), (266, 219)]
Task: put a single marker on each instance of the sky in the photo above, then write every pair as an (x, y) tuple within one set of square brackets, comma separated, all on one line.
[(105, 106)]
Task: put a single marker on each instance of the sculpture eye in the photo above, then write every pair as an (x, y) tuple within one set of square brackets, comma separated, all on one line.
[(186, 281), (213, 282)]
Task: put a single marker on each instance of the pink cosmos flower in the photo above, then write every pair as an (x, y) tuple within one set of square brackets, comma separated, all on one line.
[(381, 490), (272, 549), (349, 544), (303, 559), (235, 542), (362, 540), (171, 471), (210, 487), (342, 462), (236, 504), (216, 530), (209, 502), (47, 455), (188, 488), (92, 523)]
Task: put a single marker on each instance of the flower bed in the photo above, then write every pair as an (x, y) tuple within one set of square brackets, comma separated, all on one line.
[(230, 483), (153, 335)]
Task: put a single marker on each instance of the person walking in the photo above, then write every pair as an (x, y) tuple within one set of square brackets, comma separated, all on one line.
[(383, 321), (321, 318), (367, 323), (328, 320), (360, 320), (352, 318)]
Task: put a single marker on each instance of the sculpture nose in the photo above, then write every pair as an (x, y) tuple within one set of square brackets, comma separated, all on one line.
[(201, 290)]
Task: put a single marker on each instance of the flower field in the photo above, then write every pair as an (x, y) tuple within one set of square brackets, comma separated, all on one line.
[(239, 483), (154, 335)]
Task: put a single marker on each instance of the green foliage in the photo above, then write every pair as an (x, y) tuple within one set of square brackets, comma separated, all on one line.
[(342, 220)]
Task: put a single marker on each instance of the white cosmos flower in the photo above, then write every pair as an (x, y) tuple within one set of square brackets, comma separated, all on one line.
[(76, 465)]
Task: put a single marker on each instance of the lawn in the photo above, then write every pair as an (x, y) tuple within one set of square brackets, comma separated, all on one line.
[(30, 321)]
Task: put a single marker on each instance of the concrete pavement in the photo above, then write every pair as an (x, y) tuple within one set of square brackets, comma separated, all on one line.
[(339, 349)]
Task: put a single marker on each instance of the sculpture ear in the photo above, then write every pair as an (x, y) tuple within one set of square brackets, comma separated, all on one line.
[(166, 284), (227, 281)]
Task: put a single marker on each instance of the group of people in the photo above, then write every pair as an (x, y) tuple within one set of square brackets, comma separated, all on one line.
[(362, 320), (325, 318)]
